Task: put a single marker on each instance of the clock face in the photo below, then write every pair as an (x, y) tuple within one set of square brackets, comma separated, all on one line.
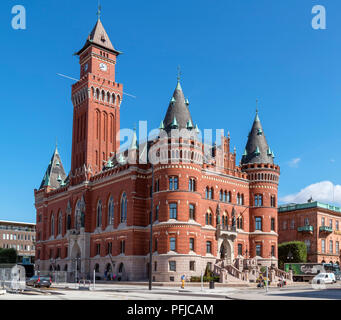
[(103, 66), (86, 66)]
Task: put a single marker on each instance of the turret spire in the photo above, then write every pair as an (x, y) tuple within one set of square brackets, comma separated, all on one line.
[(257, 149)]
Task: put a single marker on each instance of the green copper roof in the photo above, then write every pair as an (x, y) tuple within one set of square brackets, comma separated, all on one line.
[(245, 152), (174, 123), (196, 128), (178, 86), (187, 102), (173, 99), (269, 152), (189, 124), (315, 204), (257, 151), (162, 126)]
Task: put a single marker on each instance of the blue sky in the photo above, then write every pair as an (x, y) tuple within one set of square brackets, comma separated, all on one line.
[(230, 52)]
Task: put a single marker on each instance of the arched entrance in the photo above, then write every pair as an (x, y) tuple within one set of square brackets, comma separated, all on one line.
[(226, 251)]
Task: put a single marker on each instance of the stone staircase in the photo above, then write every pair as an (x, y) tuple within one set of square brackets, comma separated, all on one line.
[(242, 272)]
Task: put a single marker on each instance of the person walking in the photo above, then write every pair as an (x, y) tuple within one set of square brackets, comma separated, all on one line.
[(183, 281)]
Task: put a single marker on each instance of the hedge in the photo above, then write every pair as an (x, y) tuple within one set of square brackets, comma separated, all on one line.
[(298, 250), (205, 279)]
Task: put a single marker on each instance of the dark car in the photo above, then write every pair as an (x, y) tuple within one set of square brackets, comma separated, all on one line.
[(39, 281)]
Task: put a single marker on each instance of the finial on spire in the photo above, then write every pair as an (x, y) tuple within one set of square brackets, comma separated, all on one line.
[(99, 10), (256, 105), (179, 74), (56, 144)]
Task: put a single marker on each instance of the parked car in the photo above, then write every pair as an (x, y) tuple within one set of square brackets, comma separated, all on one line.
[(324, 278), (39, 281)]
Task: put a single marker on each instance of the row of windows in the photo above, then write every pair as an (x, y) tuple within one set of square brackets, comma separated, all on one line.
[(16, 228), (331, 246), (18, 247), (306, 223), (259, 226), (172, 245), (6, 236), (80, 215), (263, 176)]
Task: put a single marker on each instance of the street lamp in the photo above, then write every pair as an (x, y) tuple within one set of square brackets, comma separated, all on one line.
[(151, 232), (290, 256)]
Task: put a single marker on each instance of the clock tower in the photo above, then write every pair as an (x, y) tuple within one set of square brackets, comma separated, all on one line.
[(96, 99)]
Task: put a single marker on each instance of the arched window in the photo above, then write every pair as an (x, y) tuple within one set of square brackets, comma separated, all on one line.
[(68, 216), (211, 193), (113, 98), (60, 222), (207, 192), (111, 211), (97, 93), (229, 197), (99, 214), (52, 224), (221, 195), (124, 207)]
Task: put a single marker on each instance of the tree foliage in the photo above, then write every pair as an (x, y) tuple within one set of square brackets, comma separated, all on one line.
[(298, 250)]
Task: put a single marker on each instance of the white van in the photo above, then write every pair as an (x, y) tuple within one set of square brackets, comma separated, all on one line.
[(324, 278)]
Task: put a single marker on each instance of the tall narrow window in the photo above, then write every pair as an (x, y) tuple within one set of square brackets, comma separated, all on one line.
[(323, 246), (258, 223), (52, 224), (208, 247), (192, 211), (111, 211), (173, 183), (191, 184), (259, 250), (173, 208), (172, 244), (124, 208), (191, 244), (157, 212), (99, 214), (60, 222), (272, 224)]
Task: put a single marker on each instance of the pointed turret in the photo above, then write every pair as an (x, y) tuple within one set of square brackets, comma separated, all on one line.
[(257, 149), (99, 37), (177, 115), (54, 176)]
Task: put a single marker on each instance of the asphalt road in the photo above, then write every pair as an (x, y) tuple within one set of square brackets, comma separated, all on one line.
[(126, 292)]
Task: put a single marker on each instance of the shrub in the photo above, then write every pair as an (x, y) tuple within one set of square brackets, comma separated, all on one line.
[(298, 250)]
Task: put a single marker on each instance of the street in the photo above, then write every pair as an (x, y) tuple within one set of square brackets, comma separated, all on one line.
[(141, 292)]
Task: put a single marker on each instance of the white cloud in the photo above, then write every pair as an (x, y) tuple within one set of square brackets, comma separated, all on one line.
[(320, 191), (294, 162)]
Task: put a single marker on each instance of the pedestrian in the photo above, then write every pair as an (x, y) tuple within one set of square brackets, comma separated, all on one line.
[(183, 281)]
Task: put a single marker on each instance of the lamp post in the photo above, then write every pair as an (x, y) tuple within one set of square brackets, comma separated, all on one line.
[(151, 232)]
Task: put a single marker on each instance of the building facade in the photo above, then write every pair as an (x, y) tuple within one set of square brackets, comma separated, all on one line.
[(205, 207), (19, 236), (317, 225)]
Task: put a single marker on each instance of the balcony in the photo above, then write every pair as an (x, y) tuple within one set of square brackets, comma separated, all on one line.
[(308, 229), (229, 231), (326, 229)]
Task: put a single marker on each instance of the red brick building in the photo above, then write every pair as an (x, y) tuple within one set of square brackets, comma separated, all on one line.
[(205, 207), (317, 224)]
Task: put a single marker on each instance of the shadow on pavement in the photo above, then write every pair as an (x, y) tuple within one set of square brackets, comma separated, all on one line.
[(317, 294)]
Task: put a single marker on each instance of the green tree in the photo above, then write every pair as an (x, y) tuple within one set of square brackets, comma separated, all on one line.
[(296, 249), (8, 255)]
